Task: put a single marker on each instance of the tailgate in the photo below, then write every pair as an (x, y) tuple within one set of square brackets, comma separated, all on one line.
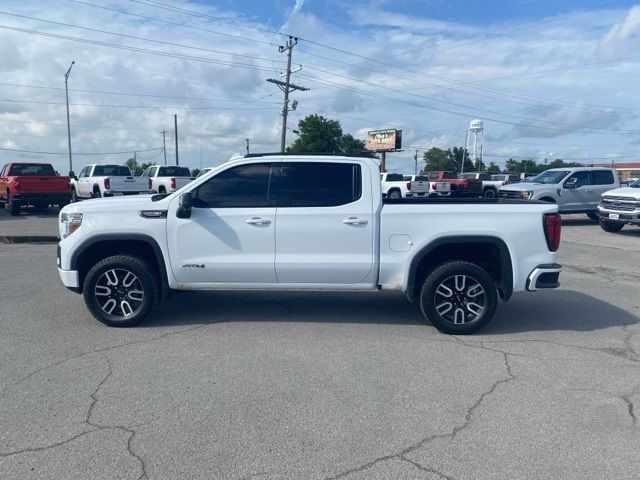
[(43, 184), (129, 184), (419, 186), (182, 181)]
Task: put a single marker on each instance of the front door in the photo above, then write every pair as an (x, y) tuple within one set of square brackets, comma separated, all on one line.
[(576, 198), (325, 224), (230, 235)]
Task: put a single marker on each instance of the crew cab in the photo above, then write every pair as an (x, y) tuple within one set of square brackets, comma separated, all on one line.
[(574, 190), (620, 207), (28, 183), (296, 222), (394, 185), (460, 187), (106, 180), (167, 179), (489, 186)]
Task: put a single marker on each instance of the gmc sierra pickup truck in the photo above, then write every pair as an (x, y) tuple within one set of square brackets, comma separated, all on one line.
[(167, 179), (28, 183), (293, 222), (106, 180)]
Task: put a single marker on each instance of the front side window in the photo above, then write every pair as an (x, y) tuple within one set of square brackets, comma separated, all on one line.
[(550, 177), (580, 179), (85, 172), (602, 177), (394, 177), (238, 187), (319, 184)]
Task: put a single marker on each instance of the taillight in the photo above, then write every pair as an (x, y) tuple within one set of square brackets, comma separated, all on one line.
[(173, 183), (107, 183), (552, 229), (150, 184), (408, 184), (433, 187)]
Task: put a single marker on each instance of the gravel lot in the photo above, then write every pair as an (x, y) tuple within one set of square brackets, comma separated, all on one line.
[(321, 386)]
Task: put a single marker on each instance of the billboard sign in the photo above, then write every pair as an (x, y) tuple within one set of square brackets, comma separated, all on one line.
[(384, 140)]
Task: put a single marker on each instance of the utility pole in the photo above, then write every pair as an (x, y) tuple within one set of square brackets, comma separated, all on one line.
[(247, 145), (200, 157), (66, 91), (164, 145), (287, 88), (175, 124), (415, 170)]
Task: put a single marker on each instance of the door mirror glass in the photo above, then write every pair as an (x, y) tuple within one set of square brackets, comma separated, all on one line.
[(184, 205)]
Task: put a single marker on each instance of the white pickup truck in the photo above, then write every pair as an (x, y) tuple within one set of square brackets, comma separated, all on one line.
[(106, 180), (394, 185), (293, 222), (167, 179)]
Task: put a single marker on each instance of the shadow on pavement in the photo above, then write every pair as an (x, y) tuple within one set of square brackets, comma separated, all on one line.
[(559, 310), (29, 212)]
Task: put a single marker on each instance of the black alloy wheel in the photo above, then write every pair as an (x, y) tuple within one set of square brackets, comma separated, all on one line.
[(458, 297), (121, 290)]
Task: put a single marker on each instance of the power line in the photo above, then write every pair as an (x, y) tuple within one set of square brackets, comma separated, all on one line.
[(66, 153), (42, 102), (134, 37)]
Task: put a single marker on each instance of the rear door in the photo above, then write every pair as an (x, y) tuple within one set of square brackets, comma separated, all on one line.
[(601, 181), (325, 224)]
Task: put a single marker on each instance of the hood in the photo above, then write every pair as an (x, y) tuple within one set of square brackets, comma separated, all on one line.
[(120, 203), (625, 192), (526, 187)]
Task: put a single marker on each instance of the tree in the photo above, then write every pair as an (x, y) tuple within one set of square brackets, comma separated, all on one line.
[(436, 159), (137, 168), (195, 172), (317, 134), (456, 154), (493, 168)]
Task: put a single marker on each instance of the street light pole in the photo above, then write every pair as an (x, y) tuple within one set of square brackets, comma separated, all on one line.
[(66, 91)]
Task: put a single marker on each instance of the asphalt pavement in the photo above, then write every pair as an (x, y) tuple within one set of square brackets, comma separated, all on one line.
[(237, 385)]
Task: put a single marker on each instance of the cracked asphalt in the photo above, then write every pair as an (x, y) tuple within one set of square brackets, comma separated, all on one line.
[(236, 385)]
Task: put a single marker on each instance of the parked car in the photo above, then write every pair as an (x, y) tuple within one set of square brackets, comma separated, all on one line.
[(106, 180), (489, 186), (306, 222), (394, 185), (620, 207), (29, 183), (460, 187), (574, 190), (167, 179)]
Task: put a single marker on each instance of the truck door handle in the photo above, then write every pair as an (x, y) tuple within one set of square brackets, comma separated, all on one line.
[(354, 221), (258, 221)]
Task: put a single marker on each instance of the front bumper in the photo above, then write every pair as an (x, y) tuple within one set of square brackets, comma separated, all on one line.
[(544, 276), (69, 278), (625, 216)]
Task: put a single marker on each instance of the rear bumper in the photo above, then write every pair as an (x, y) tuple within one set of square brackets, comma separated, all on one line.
[(544, 276), (53, 198)]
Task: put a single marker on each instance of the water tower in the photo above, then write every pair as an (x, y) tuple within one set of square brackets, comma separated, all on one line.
[(476, 129)]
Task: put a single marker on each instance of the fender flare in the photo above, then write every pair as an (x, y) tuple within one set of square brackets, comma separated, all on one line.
[(505, 285)]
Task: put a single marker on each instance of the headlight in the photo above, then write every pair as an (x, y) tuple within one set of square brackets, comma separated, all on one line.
[(527, 195), (71, 222)]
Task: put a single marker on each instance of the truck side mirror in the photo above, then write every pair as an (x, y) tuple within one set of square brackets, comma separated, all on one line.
[(184, 205), (571, 183), (72, 174)]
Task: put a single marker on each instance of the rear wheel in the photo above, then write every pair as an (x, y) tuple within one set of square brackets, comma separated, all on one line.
[(458, 297), (611, 227), (490, 193), (395, 194), (14, 207), (593, 216), (121, 290), (162, 190), (96, 193)]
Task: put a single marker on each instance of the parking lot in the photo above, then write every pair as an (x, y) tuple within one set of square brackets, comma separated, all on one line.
[(239, 385)]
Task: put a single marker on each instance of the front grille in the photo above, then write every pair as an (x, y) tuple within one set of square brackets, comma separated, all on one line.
[(624, 204), (509, 194)]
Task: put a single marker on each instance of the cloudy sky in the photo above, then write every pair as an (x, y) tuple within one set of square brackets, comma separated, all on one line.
[(549, 79)]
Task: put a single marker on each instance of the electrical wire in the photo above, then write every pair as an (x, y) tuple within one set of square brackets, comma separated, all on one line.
[(79, 153)]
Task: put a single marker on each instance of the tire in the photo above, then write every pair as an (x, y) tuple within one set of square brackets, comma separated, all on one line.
[(490, 193), (96, 194), (162, 191), (395, 194), (102, 298), (468, 284), (593, 216), (14, 207), (74, 196), (611, 227)]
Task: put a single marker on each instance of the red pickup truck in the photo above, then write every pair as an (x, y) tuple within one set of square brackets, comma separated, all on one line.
[(29, 183), (460, 187)]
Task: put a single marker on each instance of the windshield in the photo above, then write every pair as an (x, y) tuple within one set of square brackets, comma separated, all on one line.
[(174, 172), (636, 184), (550, 177), (31, 169), (111, 171)]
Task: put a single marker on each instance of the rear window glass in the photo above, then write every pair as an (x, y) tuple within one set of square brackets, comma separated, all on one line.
[(421, 178), (111, 171), (395, 177), (31, 169), (316, 184), (602, 177), (174, 172), (449, 175)]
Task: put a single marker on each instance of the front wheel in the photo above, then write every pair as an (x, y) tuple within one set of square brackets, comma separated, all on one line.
[(395, 194), (121, 290), (593, 216), (611, 227), (490, 193), (458, 297)]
